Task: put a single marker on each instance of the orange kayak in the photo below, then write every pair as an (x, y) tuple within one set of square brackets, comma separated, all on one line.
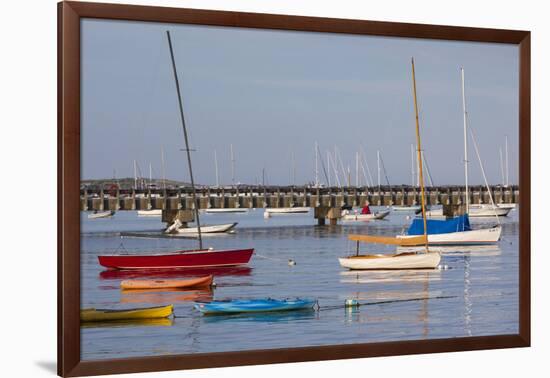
[(167, 284)]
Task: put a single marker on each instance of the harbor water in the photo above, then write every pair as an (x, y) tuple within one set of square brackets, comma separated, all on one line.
[(474, 292)]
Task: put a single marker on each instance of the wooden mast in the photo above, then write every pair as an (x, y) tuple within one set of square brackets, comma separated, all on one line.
[(420, 173), (187, 149)]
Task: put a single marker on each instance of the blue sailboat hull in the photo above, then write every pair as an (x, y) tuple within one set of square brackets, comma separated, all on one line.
[(254, 305)]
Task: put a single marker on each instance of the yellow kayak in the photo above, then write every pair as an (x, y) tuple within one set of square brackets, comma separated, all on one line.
[(102, 315)]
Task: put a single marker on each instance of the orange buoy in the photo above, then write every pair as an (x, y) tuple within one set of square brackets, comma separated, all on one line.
[(167, 284)]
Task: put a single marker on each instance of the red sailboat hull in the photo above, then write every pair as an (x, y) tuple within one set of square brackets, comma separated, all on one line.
[(178, 259)]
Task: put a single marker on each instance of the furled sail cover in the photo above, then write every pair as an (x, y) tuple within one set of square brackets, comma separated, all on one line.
[(440, 226)]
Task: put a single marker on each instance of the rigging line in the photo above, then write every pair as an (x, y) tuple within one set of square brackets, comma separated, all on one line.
[(385, 172), (334, 168), (427, 168), (364, 158), (389, 301), (338, 158), (483, 170), (318, 152)]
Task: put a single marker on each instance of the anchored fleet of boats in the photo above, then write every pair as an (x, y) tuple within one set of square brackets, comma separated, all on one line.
[(414, 248)]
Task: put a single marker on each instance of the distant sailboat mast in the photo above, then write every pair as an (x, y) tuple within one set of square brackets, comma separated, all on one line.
[(217, 172), (232, 165), (502, 167), (378, 162), (135, 174), (163, 168), (316, 165), (357, 170), (328, 167), (465, 143), (506, 155)]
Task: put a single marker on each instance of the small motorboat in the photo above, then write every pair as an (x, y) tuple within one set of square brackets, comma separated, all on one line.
[(101, 214), (347, 216), (178, 259), (176, 228), (167, 284), (102, 315), (237, 306)]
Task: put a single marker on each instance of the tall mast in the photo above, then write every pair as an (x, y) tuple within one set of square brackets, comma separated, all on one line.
[(150, 174), (465, 143), (418, 143), (217, 172), (506, 155), (187, 149), (232, 166)]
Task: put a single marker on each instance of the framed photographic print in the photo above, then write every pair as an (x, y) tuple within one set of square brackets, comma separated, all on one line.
[(239, 188)]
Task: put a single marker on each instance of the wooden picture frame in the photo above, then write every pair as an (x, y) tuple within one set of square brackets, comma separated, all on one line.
[(69, 16)]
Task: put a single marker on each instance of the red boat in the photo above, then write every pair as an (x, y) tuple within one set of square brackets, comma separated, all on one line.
[(178, 259)]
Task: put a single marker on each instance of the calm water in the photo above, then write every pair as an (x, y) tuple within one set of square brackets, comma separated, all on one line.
[(479, 286)]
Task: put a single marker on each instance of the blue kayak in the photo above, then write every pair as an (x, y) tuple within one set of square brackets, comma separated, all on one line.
[(254, 305)]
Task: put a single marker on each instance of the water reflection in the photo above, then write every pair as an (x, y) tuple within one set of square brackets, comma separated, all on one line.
[(262, 317), (175, 273), (162, 296), (164, 322), (472, 250), (475, 295)]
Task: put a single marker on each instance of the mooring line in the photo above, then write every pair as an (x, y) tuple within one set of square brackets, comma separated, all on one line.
[(358, 304), (318, 307)]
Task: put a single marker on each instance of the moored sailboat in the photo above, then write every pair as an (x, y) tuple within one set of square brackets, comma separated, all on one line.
[(406, 260), (200, 257)]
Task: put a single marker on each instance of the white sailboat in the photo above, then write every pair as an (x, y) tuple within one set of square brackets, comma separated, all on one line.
[(462, 234), (407, 260)]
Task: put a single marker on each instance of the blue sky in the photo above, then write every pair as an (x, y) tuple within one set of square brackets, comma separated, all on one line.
[(272, 94)]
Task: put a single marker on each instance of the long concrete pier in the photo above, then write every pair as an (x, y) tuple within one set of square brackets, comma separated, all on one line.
[(327, 202)]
